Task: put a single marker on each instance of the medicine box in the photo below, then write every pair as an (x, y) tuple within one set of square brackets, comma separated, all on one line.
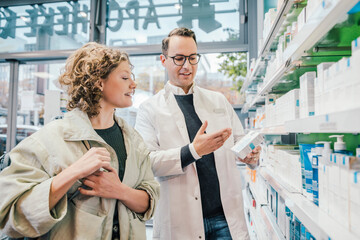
[(247, 144)]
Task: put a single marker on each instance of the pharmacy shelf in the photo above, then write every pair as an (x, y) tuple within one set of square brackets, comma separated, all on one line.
[(276, 130), (260, 201), (259, 62), (338, 122), (314, 29), (321, 22), (270, 222), (247, 106), (261, 211), (257, 221), (279, 20), (273, 130), (319, 223), (280, 184), (270, 83), (280, 17), (264, 221)]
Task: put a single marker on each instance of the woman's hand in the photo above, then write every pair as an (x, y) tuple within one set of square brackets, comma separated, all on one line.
[(104, 184), (91, 162), (108, 185)]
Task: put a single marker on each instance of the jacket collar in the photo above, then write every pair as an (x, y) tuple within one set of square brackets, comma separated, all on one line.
[(77, 126), (170, 88)]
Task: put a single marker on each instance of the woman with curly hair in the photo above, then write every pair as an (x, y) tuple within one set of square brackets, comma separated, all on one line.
[(88, 175)]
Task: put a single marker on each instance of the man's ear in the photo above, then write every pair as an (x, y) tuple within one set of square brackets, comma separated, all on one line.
[(162, 59)]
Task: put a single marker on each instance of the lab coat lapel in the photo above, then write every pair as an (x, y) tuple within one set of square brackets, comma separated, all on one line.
[(177, 115), (200, 108)]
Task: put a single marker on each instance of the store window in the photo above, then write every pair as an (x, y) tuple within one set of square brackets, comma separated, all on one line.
[(143, 22), (4, 103), (50, 26), (150, 77), (40, 99), (209, 77)]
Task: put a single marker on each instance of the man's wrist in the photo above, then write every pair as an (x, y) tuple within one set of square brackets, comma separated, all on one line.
[(193, 152)]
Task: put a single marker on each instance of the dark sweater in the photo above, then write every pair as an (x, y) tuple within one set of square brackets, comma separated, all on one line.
[(206, 169), (114, 137)]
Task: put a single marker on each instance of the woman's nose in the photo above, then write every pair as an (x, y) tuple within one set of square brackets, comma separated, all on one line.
[(133, 84)]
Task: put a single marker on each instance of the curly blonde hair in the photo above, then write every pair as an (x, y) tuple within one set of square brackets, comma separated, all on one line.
[(82, 74)]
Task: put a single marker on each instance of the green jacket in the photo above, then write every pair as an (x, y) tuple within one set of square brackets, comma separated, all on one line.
[(25, 185)]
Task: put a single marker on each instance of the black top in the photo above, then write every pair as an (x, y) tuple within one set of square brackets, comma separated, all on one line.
[(206, 169), (114, 137)]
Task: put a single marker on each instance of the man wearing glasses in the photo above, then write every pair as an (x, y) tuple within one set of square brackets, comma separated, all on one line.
[(189, 131)]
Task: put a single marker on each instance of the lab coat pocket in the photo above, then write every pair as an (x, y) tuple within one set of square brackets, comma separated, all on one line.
[(218, 121), (78, 224)]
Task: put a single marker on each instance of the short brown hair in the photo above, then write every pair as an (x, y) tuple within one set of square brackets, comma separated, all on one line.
[(83, 71), (182, 32)]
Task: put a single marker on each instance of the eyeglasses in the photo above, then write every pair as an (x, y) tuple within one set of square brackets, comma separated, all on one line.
[(180, 60)]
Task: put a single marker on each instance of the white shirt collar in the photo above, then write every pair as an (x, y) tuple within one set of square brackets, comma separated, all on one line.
[(178, 90)]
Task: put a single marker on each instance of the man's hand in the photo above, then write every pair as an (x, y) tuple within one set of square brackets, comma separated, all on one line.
[(253, 157), (208, 143)]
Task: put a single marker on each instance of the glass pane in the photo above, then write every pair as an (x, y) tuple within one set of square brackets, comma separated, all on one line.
[(40, 100), (209, 77), (51, 26), (150, 79), (139, 22), (4, 103)]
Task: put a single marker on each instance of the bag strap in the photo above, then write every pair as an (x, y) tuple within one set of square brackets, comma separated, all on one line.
[(86, 144)]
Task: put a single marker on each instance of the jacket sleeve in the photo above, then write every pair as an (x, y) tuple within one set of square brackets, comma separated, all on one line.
[(147, 181), (25, 188), (164, 163)]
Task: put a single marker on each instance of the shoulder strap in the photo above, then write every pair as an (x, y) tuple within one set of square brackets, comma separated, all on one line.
[(86, 144)]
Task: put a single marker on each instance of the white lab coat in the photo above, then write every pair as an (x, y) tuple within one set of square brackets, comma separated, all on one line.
[(162, 125)]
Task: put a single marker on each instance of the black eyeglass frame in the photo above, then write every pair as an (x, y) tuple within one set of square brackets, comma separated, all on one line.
[(186, 58)]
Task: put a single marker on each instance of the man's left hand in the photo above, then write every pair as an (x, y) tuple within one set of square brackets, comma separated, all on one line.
[(253, 157)]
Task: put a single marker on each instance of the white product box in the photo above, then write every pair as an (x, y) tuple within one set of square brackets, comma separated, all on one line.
[(306, 94), (311, 7), (270, 99), (281, 219), (319, 87), (292, 105), (323, 185), (247, 144), (319, 82), (301, 19), (355, 202)]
